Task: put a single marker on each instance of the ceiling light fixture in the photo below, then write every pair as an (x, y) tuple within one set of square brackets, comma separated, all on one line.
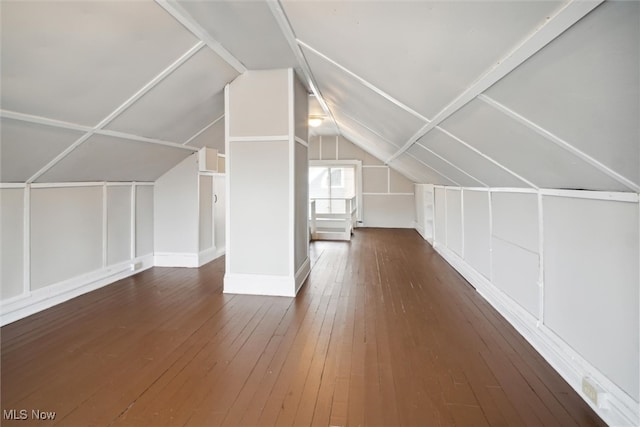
[(315, 121)]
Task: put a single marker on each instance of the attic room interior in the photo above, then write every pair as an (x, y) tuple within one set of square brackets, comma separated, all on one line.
[(280, 212)]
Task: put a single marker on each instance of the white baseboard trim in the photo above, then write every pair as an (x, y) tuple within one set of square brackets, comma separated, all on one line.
[(209, 255), (617, 408), (25, 305), (259, 284), (302, 274), (176, 259)]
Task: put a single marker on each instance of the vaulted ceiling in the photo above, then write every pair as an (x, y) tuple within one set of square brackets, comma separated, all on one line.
[(538, 94)]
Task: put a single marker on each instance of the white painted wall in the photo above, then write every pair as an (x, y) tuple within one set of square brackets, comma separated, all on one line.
[(388, 197), (11, 229), (176, 209), (79, 237), (183, 228), (564, 268), (259, 218), (71, 216)]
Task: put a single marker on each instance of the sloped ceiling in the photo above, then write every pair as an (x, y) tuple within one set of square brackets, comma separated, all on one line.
[(538, 94)]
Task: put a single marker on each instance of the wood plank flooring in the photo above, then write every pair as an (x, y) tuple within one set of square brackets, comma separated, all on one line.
[(383, 333)]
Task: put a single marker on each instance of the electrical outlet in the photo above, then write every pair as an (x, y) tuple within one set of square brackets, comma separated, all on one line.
[(592, 391)]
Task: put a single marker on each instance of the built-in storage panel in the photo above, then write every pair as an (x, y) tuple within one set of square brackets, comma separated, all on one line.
[(206, 212), (12, 229), (515, 247), (69, 218), (592, 283), (515, 272), (454, 220), (119, 223), (515, 218), (208, 160), (477, 231)]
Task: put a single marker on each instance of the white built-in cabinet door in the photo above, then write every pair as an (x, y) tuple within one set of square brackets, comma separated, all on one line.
[(206, 226), (219, 207)]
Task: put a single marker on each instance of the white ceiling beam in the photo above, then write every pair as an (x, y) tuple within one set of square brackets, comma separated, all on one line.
[(364, 82), (115, 113), (433, 169), (480, 153), (183, 17), (6, 114), (285, 26), (568, 15), (453, 165), (201, 131), (561, 143), (130, 137)]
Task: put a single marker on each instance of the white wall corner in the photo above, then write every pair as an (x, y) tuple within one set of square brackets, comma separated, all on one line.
[(209, 255), (302, 274), (259, 284), (176, 259)]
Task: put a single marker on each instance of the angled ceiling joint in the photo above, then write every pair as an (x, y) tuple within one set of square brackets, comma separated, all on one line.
[(451, 164), (183, 17), (561, 143), (285, 26), (115, 113), (123, 135), (43, 121), (369, 85), (433, 169), (568, 15), (498, 164), (201, 131)]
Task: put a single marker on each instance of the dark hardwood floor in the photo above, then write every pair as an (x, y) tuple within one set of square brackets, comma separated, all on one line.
[(384, 332)]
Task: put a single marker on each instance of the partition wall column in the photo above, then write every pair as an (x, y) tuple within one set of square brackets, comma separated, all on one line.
[(267, 179)]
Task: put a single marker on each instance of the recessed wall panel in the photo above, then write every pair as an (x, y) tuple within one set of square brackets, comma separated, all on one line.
[(516, 272), (12, 229), (515, 218), (118, 224), (454, 220), (388, 211), (260, 175), (69, 218), (592, 283), (440, 216), (375, 180), (477, 231)]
